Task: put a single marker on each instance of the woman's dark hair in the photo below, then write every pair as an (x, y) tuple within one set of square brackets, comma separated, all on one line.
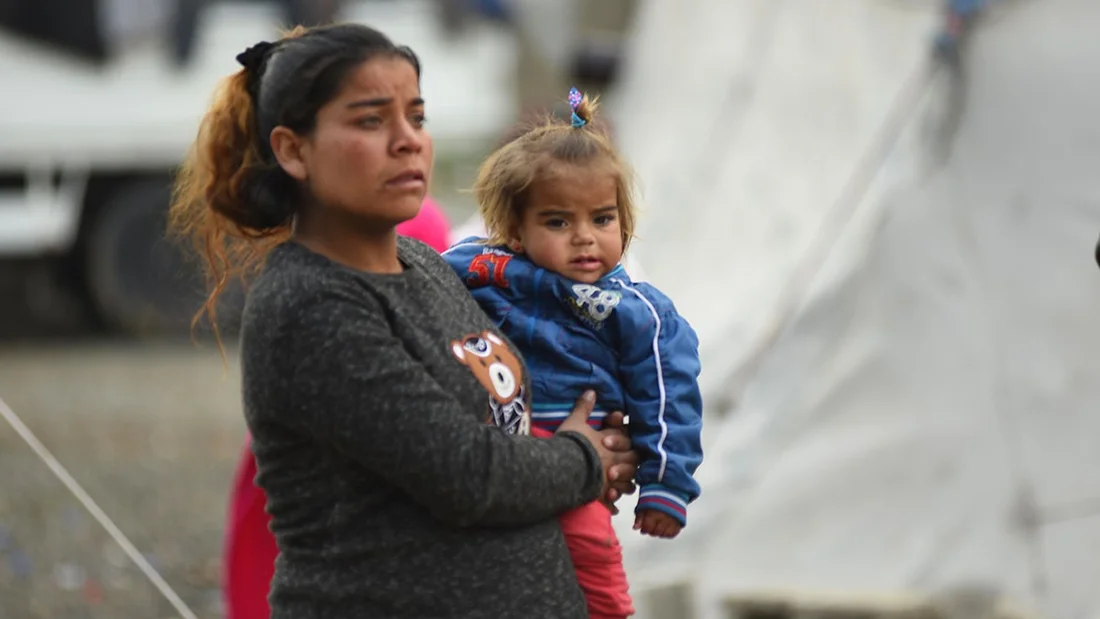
[(232, 199)]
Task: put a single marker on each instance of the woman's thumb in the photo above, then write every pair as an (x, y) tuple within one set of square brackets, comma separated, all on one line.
[(584, 406)]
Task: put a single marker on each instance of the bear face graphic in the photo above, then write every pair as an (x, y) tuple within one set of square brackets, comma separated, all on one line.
[(498, 369)]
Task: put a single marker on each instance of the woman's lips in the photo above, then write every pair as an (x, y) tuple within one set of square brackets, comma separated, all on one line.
[(411, 179)]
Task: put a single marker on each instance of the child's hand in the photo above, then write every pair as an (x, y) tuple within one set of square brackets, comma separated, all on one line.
[(657, 524)]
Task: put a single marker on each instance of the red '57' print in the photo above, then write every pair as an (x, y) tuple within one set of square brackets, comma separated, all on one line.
[(488, 267)]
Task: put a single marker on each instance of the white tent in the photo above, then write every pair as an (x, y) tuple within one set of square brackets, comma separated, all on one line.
[(901, 361)]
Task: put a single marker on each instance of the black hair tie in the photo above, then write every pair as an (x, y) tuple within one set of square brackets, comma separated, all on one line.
[(253, 58)]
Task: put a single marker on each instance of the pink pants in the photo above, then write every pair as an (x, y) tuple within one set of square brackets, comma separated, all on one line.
[(597, 557)]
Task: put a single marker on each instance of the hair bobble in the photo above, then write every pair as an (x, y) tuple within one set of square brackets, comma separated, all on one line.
[(575, 99)]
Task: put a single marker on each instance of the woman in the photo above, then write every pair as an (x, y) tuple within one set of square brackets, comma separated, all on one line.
[(250, 549), (369, 373)]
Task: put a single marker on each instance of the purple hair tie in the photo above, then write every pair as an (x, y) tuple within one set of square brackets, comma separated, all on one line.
[(574, 102)]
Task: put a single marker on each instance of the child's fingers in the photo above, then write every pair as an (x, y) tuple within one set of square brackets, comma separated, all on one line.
[(656, 524), (656, 529)]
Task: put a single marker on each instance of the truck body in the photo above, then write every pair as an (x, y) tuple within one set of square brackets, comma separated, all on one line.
[(88, 148)]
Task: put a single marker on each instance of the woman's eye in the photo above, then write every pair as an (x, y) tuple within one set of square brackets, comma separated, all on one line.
[(418, 120), (370, 121)]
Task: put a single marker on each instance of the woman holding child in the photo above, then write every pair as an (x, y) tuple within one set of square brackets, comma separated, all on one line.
[(371, 377)]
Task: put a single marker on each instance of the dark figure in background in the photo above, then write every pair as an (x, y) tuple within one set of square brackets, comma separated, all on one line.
[(959, 17), (63, 24), (295, 12)]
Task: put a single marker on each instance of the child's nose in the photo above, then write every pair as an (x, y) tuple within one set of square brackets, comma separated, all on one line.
[(583, 234)]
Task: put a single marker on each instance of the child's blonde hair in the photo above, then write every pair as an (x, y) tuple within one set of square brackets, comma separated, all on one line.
[(504, 179)]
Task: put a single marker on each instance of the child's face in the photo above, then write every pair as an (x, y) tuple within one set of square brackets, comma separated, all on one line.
[(571, 222)]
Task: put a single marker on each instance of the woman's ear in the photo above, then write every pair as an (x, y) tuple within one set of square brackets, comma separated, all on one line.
[(289, 149)]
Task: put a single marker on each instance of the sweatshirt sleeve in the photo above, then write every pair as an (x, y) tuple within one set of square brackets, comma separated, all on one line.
[(359, 389), (660, 365)]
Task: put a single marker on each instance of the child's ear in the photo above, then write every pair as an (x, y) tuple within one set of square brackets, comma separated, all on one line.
[(515, 243)]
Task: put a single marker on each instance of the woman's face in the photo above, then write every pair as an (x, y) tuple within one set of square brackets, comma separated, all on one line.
[(369, 156)]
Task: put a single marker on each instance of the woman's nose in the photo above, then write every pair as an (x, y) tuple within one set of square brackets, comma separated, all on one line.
[(408, 139)]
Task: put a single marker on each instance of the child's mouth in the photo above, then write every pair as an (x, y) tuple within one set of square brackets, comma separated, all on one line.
[(586, 263)]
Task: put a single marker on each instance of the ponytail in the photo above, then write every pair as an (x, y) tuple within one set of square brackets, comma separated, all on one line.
[(232, 199), (219, 203), (584, 108)]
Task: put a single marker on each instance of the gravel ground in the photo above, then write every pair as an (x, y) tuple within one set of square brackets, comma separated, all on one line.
[(150, 430), (152, 433)]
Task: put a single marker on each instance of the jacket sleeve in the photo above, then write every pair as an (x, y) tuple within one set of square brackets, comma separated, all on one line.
[(479, 265), (359, 389), (459, 255), (660, 366)]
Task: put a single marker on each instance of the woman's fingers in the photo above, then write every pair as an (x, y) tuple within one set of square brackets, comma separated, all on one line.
[(616, 451), (621, 473), (610, 504), (614, 420), (615, 441), (613, 495), (626, 458), (624, 486)]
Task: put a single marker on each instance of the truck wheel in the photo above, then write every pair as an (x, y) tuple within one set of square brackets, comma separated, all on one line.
[(142, 283)]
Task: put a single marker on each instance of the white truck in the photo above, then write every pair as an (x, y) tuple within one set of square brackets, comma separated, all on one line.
[(87, 151)]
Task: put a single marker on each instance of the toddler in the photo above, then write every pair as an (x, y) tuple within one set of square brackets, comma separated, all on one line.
[(558, 207)]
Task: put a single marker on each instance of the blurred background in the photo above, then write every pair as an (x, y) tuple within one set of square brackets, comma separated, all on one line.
[(882, 228)]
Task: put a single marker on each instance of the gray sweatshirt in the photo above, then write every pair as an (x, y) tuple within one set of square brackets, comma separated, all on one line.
[(368, 397)]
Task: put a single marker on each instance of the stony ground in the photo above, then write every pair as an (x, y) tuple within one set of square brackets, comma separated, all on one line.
[(152, 432)]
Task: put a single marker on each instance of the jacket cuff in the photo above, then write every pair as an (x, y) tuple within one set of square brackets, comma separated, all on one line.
[(663, 499)]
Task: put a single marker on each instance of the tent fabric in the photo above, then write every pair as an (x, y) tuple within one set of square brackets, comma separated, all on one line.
[(926, 418)]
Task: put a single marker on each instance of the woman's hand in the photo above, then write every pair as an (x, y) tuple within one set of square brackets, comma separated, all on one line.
[(622, 478), (619, 461)]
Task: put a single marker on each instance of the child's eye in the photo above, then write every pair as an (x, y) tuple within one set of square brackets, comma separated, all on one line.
[(555, 223), (603, 220)]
